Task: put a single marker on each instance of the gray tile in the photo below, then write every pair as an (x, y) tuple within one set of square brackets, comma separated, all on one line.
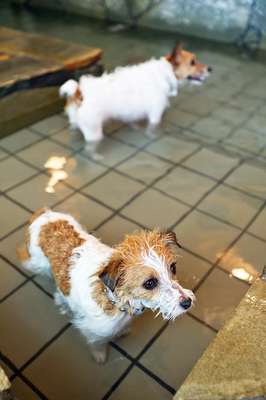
[(217, 298), (258, 226), (153, 209), (39, 153), (91, 380), (200, 105), (180, 118), (172, 149), (257, 123), (177, 350), (13, 172), (113, 189), (205, 236), (112, 151), (11, 216), (22, 391), (35, 193), (3, 154), (31, 310), (81, 171), (133, 136), (185, 185), (50, 125), (224, 203), (73, 139), (212, 163), (144, 167), (246, 258), (250, 179), (18, 140), (231, 115), (137, 382), (86, 211), (247, 140), (10, 278), (113, 231), (212, 127), (142, 330)]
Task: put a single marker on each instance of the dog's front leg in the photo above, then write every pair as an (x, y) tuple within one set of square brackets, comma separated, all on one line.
[(91, 149), (151, 130), (99, 351)]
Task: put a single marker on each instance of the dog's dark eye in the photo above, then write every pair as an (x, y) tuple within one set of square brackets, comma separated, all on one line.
[(150, 283), (173, 268), (193, 62)]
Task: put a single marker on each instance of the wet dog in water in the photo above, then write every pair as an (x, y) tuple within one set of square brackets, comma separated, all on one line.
[(105, 287)]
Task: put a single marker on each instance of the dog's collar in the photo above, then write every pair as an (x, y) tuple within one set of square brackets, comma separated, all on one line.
[(127, 308)]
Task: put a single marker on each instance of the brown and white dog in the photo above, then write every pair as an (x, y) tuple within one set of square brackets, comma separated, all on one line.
[(104, 287), (129, 94)]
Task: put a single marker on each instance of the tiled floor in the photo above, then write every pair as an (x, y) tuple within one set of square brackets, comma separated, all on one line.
[(203, 176)]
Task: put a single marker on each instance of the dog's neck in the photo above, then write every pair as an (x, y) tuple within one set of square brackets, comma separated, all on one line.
[(130, 307)]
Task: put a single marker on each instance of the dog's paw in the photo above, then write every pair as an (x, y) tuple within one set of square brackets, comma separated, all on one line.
[(99, 356)]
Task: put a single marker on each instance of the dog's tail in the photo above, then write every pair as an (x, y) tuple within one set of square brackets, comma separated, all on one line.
[(69, 88)]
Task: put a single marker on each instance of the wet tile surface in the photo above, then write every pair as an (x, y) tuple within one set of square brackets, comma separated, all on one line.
[(209, 133)]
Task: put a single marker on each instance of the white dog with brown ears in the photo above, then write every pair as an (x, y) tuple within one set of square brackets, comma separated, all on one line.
[(129, 94), (104, 287)]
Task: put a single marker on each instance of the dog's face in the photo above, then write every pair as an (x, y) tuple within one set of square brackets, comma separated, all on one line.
[(144, 274), (187, 67)]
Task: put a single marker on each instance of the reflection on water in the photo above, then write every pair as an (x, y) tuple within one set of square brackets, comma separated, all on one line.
[(239, 268), (55, 167)]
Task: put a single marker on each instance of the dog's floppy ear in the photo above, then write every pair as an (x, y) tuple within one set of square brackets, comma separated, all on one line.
[(112, 273), (171, 239)]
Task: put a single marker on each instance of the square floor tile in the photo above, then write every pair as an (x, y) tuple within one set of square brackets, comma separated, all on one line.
[(217, 298), (22, 391), (35, 194), (139, 384), (180, 118), (247, 140), (11, 216), (3, 154), (37, 318), (143, 329), (6, 369), (113, 152), (212, 127), (133, 136), (153, 209), (113, 189), (246, 102), (211, 163), (73, 139), (86, 211), (231, 206), (257, 123), (259, 225), (114, 230), (18, 140), (10, 279), (144, 167), (231, 115), (81, 377), (190, 269), (81, 171), (172, 149), (204, 235), (250, 179), (176, 351), (46, 282), (13, 172), (246, 259), (9, 244), (200, 105), (185, 185), (50, 125), (257, 89), (39, 153)]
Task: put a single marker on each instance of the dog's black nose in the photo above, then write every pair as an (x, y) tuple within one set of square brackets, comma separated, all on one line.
[(209, 69), (186, 303)]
